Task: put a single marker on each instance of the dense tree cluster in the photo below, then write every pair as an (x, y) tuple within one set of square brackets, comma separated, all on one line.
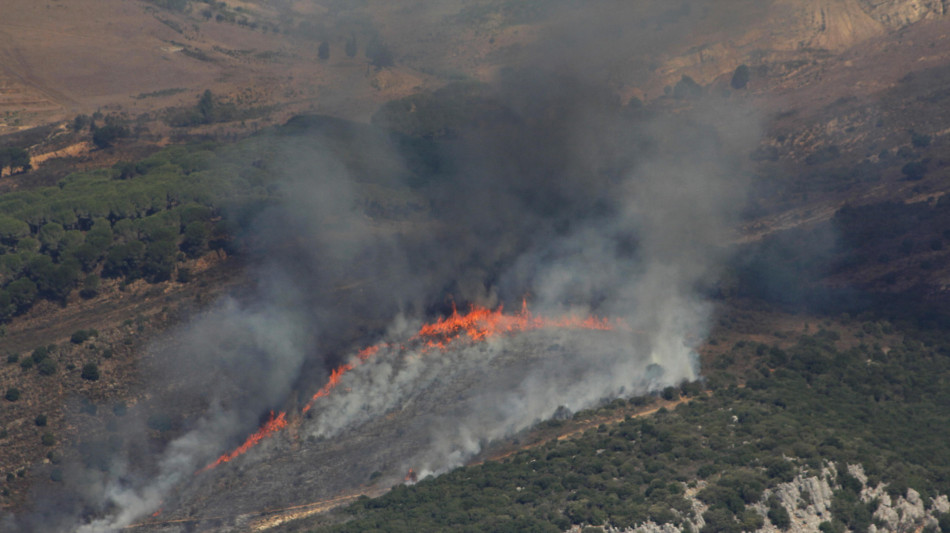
[(136, 220)]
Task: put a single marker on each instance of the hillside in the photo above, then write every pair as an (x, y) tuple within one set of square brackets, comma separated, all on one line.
[(569, 265)]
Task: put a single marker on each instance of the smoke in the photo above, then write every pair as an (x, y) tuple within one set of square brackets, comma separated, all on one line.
[(585, 211), (566, 197)]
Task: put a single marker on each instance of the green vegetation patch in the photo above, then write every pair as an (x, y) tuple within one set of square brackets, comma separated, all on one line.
[(136, 220)]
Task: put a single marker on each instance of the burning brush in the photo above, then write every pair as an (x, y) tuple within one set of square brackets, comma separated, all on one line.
[(477, 325)]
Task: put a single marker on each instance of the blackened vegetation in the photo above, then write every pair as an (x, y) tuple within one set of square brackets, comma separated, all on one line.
[(802, 407)]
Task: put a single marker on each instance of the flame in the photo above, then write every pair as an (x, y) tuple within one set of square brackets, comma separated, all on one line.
[(335, 376), (411, 477), (272, 425), (367, 352), (481, 323), (478, 324)]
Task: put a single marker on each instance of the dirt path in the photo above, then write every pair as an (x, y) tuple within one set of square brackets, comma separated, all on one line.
[(575, 431)]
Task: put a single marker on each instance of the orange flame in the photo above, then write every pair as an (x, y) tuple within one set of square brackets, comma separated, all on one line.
[(478, 324), (335, 376), (411, 477), (481, 323), (272, 425)]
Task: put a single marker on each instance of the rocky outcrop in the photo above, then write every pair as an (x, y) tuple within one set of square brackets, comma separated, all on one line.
[(828, 24), (793, 29), (808, 499), (899, 13)]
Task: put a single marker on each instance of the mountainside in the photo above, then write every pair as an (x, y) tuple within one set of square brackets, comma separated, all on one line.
[(474, 265)]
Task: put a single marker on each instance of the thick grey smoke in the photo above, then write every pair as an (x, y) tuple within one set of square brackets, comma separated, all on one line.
[(639, 243)]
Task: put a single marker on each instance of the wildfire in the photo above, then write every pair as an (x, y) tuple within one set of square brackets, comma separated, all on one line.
[(411, 477), (335, 376), (272, 425), (481, 323), (478, 324)]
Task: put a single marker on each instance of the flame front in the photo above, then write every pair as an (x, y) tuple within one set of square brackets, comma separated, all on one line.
[(478, 324), (272, 425), (481, 323)]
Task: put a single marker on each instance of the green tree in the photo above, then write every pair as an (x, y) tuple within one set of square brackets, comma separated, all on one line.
[(21, 293), (50, 236), (323, 52), (12, 230), (195, 241), (53, 282), (125, 260), (159, 261)]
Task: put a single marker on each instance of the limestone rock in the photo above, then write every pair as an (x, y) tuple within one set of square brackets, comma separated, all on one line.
[(899, 13)]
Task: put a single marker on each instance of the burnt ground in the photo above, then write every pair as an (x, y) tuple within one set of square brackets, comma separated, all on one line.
[(316, 460)]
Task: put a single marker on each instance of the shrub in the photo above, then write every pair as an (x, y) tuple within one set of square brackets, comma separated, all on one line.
[(47, 367), (778, 515), (48, 439), (12, 395), (41, 353), (40, 420), (80, 336), (90, 371)]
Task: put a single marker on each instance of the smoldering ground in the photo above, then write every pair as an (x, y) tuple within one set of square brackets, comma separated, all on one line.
[(565, 196)]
